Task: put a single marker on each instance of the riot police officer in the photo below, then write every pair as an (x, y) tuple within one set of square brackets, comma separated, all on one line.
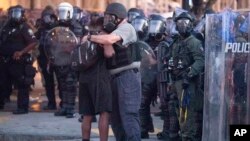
[(48, 21), (156, 31), (60, 57), (76, 26), (186, 63), (17, 40), (133, 13), (140, 23), (170, 123), (239, 67)]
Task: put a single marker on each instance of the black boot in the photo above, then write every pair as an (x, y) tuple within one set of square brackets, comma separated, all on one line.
[(49, 107), (1, 107), (144, 135), (61, 112), (70, 114), (163, 136), (80, 119), (20, 111)]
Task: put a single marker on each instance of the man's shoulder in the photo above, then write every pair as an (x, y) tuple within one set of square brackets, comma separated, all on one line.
[(193, 40), (125, 26)]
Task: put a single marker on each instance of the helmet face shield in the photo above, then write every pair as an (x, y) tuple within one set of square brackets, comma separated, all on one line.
[(155, 26), (48, 19), (76, 16), (132, 15), (139, 24), (16, 14), (63, 14)]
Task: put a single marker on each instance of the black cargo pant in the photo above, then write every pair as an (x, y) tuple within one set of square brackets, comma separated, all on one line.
[(48, 76), (15, 72), (149, 93), (67, 79)]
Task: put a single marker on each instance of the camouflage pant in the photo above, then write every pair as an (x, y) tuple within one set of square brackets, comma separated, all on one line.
[(67, 79), (171, 122)]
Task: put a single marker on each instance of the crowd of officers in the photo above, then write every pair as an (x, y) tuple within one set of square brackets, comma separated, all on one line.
[(115, 86)]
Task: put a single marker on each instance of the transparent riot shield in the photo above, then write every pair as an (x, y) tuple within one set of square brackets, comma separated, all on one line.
[(84, 56), (59, 43), (148, 58), (226, 99)]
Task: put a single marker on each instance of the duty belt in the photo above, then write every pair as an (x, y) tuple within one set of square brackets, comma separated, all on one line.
[(5, 59), (135, 70)]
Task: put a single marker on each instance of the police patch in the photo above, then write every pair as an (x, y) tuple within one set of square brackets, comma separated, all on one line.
[(30, 32), (202, 49)]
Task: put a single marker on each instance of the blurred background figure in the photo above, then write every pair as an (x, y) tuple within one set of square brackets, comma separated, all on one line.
[(17, 40)]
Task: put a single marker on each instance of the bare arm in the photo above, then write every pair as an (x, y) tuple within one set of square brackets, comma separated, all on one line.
[(30, 47)]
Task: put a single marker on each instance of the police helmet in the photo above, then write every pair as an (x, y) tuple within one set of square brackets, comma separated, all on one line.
[(184, 15), (140, 23), (48, 15), (65, 11), (133, 13), (184, 23), (157, 24), (77, 13), (113, 15), (16, 13), (116, 9)]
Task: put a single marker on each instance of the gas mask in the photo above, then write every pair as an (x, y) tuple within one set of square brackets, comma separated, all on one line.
[(184, 27), (48, 20), (110, 23), (16, 15)]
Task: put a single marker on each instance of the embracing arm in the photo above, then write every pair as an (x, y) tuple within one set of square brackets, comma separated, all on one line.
[(108, 39)]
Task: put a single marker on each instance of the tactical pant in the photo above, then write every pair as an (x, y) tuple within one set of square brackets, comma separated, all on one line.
[(149, 93), (67, 80), (16, 73), (48, 76), (190, 119), (126, 90), (171, 122)]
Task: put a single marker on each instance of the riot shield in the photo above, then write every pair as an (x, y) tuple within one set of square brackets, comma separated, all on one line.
[(59, 42), (148, 58), (226, 97), (84, 56)]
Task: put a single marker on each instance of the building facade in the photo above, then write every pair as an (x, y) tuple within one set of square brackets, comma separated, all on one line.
[(100, 5)]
